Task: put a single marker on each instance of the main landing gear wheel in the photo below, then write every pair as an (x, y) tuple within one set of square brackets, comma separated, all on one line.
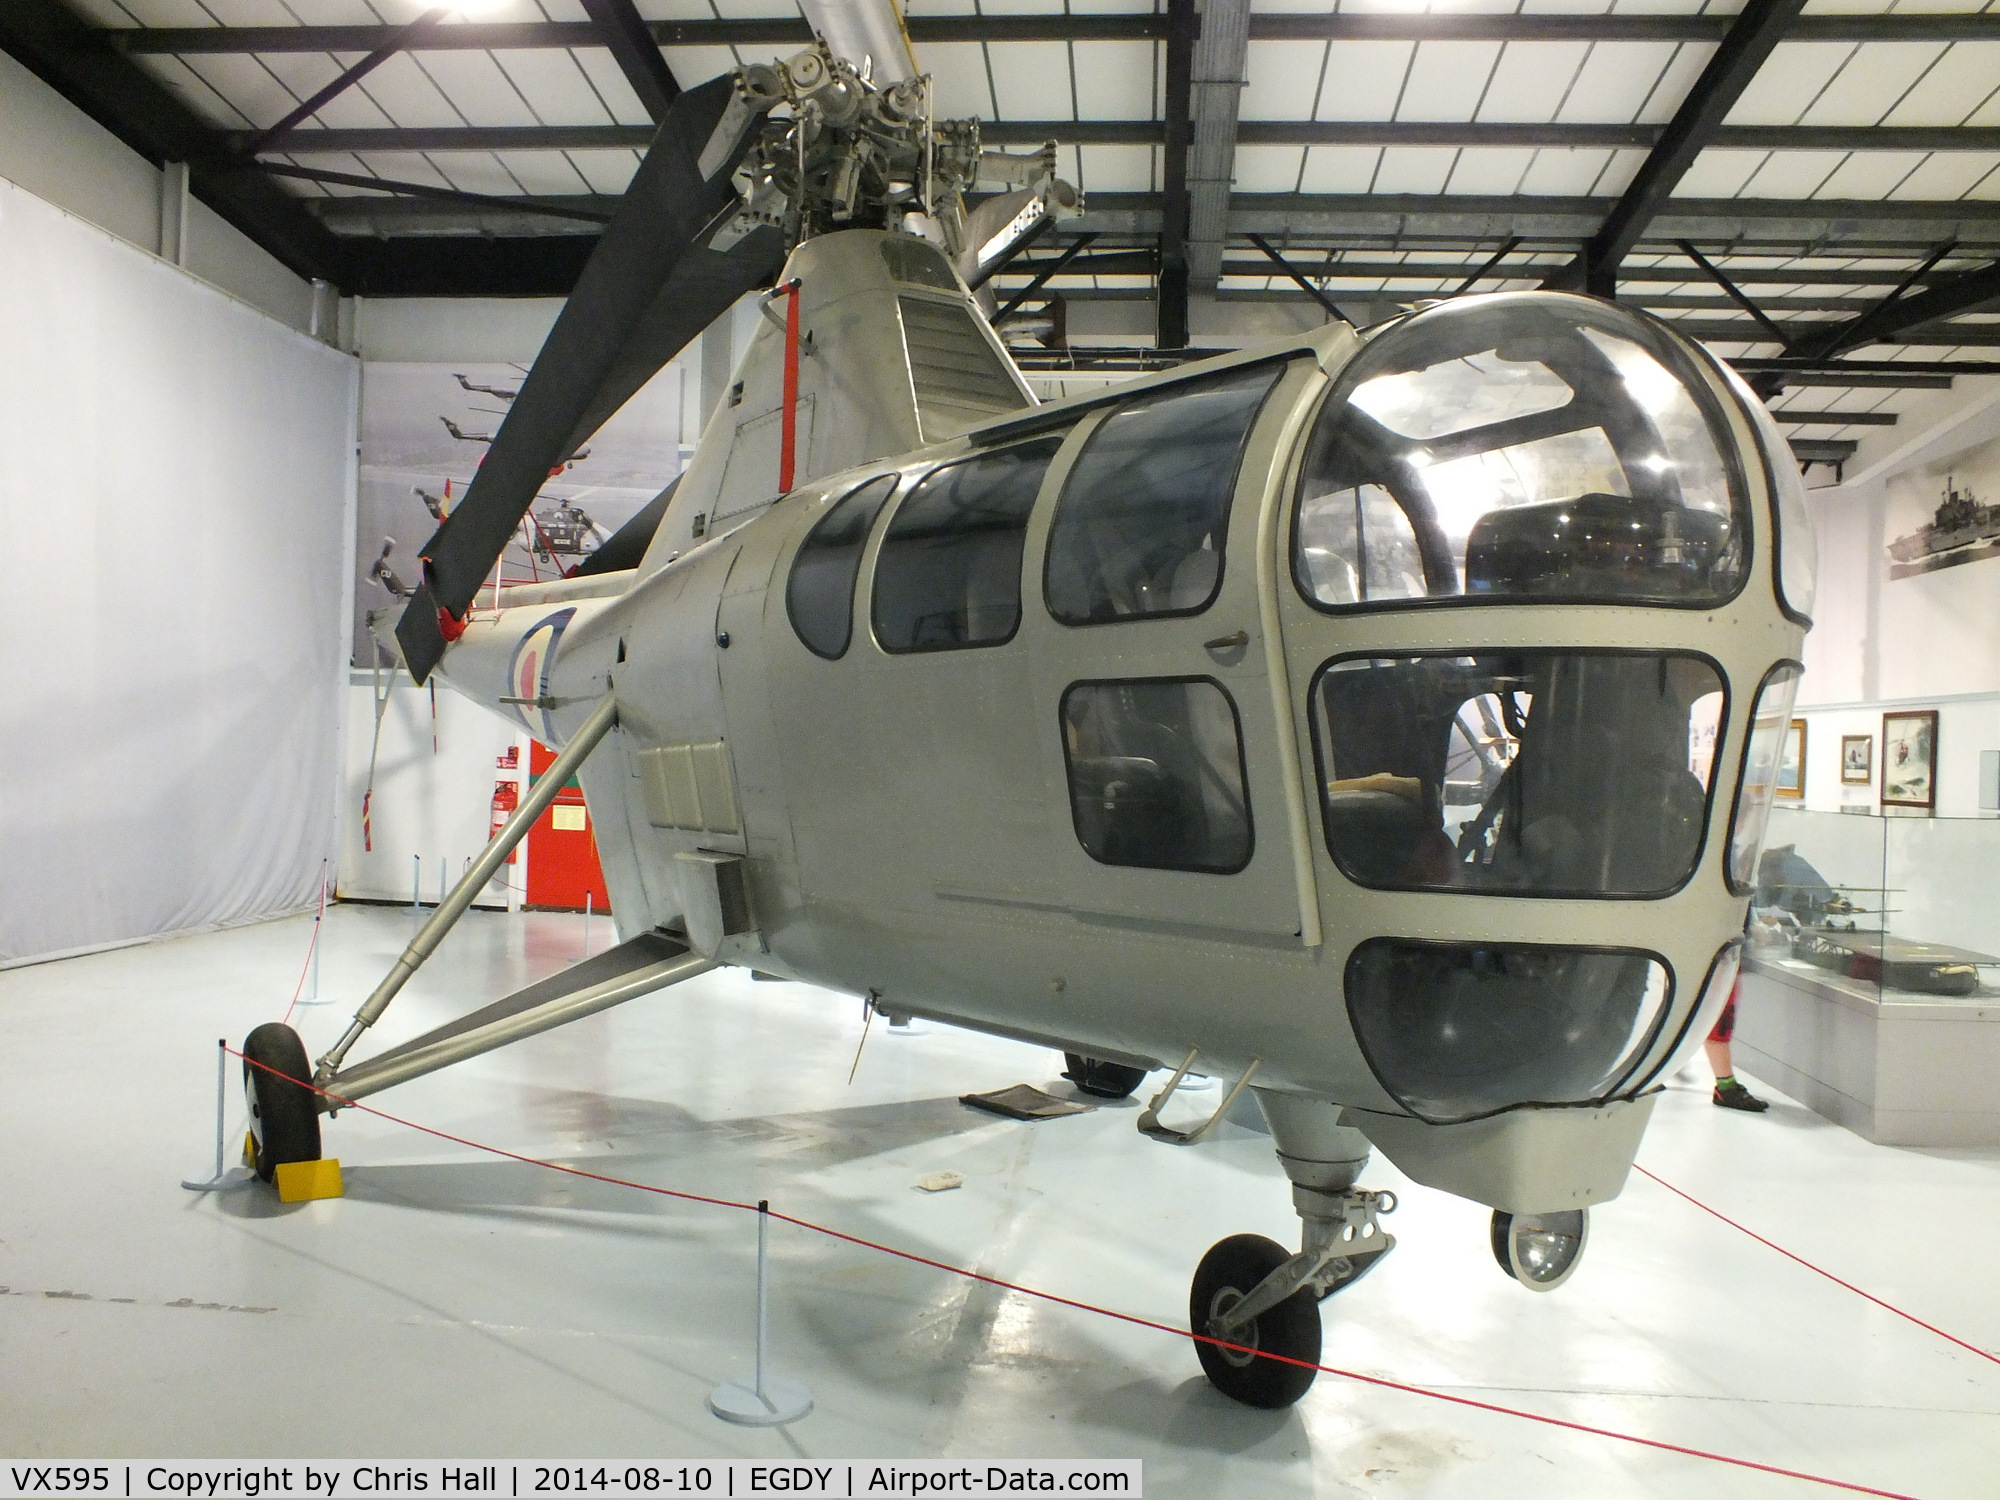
[(284, 1111), (1226, 1274), (1104, 1080), (1540, 1250)]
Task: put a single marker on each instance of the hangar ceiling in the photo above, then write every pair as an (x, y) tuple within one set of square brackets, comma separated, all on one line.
[(1811, 186)]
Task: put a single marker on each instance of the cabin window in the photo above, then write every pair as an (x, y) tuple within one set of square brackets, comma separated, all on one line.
[(949, 572), (1145, 511), (819, 596), (1156, 774), (1521, 448), (1533, 773)]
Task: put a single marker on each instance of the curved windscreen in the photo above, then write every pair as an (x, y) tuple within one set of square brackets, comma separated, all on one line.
[(1798, 545), (1145, 510), (1521, 447), (1770, 716), (1537, 773), (1458, 1030)]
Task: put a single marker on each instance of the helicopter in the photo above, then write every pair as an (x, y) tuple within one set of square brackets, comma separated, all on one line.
[(1385, 722)]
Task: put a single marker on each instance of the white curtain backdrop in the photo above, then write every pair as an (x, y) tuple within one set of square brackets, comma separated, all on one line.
[(176, 503)]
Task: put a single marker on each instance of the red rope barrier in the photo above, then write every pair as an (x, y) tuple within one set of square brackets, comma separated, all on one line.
[(1870, 1296), (1070, 1302), (306, 968)]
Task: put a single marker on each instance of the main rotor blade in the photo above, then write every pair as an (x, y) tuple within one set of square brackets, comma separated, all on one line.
[(649, 287)]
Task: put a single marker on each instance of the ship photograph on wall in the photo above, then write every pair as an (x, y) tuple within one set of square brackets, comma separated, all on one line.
[(1962, 530)]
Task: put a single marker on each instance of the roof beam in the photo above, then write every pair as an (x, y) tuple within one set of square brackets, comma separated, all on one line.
[(1824, 226), (1183, 29), (55, 44), (1754, 32), (1246, 132), (1836, 418), (1905, 319), (437, 194), (788, 31), (1887, 375), (620, 27), (396, 42), (1218, 76), (1487, 265), (1296, 276)]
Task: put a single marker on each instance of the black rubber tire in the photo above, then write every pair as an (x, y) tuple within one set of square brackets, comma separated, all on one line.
[(1102, 1080), (1229, 1270), (284, 1111), (1497, 1235)]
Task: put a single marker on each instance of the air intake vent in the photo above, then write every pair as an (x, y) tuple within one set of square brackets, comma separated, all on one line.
[(960, 379)]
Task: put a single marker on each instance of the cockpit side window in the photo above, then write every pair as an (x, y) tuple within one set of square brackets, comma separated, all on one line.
[(819, 595), (1145, 511), (1514, 449), (949, 572), (1156, 774), (1529, 773)]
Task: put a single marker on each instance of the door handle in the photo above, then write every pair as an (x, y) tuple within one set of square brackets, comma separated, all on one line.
[(1228, 642)]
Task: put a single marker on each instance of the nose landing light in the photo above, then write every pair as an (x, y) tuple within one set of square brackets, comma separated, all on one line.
[(1540, 1250)]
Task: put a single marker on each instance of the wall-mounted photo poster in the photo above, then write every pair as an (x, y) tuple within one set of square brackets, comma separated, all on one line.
[(1962, 529), (424, 430), (1857, 759), (1909, 759), (1792, 761)]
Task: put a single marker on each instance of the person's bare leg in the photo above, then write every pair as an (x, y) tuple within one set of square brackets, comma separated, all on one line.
[(1729, 1093), (1718, 1057)]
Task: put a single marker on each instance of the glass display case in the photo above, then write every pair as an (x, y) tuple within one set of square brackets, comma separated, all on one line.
[(1890, 907), (1871, 984)]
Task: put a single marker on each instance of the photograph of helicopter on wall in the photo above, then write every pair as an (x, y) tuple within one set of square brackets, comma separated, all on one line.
[(425, 430)]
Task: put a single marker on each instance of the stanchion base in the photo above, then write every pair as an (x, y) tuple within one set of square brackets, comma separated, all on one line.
[(783, 1401), (305, 1000), (908, 1028), (228, 1182)]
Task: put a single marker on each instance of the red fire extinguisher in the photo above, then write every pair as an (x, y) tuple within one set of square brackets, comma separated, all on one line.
[(506, 797)]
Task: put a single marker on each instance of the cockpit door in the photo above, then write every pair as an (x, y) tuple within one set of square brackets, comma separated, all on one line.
[(1150, 669)]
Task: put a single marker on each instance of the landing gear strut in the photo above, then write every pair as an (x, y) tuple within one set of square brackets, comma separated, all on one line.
[(1259, 1301)]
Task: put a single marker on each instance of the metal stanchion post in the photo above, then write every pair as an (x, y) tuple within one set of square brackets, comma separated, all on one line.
[(235, 1177), (772, 1399), (588, 901), (319, 938), (416, 882)]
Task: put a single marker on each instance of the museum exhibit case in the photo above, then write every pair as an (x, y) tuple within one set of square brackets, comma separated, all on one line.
[(1871, 973)]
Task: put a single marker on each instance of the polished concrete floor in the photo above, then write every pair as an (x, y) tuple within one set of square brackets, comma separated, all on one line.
[(454, 1304)]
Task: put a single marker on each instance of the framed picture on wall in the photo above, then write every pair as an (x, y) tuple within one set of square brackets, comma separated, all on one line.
[(1857, 759), (1909, 759), (1792, 761)]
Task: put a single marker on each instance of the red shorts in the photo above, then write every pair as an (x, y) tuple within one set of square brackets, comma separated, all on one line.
[(1725, 1024)]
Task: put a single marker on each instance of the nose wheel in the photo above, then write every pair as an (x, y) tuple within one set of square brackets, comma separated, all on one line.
[(1245, 1372), (1540, 1250)]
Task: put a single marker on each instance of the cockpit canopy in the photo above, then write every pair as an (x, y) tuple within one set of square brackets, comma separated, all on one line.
[(1521, 448)]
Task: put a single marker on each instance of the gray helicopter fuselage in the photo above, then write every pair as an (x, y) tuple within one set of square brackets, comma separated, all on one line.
[(964, 820)]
